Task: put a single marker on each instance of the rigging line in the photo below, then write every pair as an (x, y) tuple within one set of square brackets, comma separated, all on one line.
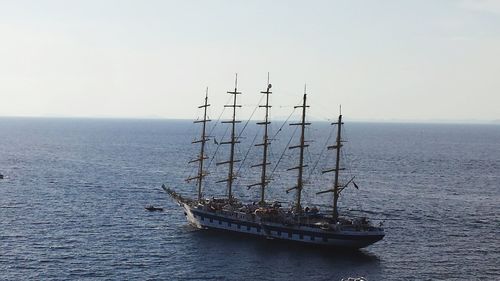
[(248, 152), (289, 141), (284, 123), (309, 169), (346, 160), (345, 153), (283, 154), (307, 154), (218, 119), (324, 109), (190, 168), (246, 124), (248, 105), (217, 149), (216, 122), (321, 154), (310, 151), (346, 165), (255, 137), (312, 137), (192, 173)]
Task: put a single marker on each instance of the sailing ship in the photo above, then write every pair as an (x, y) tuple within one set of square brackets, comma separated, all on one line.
[(268, 219)]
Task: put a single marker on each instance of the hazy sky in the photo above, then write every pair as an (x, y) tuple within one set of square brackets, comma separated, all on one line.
[(382, 60)]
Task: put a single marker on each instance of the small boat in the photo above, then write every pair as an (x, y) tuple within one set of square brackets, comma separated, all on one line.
[(1, 177), (152, 208), (354, 279)]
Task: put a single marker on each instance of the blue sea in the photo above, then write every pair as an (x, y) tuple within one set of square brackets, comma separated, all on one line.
[(73, 197)]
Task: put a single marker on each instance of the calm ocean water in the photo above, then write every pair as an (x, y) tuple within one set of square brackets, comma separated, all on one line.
[(72, 204)]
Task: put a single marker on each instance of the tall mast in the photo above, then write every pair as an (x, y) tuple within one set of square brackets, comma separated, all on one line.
[(202, 141), (336, 191), (265, 143), (302, 145), (231, 176), (337, 187)]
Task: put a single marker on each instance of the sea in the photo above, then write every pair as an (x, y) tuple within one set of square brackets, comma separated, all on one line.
[(73, 198)]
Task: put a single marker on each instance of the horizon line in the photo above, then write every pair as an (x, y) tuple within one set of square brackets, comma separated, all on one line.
[(356, 120)]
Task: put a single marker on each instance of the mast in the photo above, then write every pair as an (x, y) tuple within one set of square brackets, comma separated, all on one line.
[(337, 187), (201, 174), (336, 191), (265, 143), (231, 176), (302, 145)]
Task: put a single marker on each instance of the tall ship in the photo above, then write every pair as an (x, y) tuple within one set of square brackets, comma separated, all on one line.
[(270, 219)]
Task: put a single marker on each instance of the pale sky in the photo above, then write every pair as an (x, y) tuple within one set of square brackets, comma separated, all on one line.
[(382, 60)]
